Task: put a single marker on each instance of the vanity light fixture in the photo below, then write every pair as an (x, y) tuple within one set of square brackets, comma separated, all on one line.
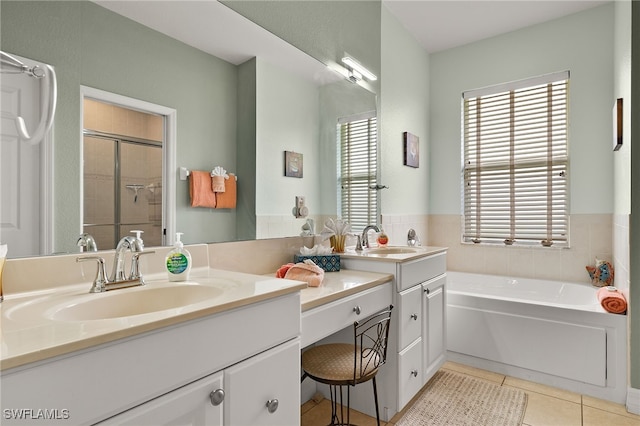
[(355, 66), (354, 76)]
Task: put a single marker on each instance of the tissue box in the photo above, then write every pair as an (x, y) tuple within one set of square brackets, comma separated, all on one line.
[(329, 262)]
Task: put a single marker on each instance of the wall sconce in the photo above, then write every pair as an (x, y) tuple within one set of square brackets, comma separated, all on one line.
[(354, 66)]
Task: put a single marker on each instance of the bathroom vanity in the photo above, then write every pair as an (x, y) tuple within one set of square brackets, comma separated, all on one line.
[(178, 365), (418, 338)]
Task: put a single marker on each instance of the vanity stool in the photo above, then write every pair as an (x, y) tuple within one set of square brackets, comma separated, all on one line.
[(348, 364)]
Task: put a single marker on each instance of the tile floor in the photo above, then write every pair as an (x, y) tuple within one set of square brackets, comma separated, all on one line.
[(546, 406)]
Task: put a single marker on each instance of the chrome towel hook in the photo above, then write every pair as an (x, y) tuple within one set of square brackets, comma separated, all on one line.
[(10, 64)]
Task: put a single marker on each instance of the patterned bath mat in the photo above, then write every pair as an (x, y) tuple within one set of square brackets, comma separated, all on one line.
[(454, 399)]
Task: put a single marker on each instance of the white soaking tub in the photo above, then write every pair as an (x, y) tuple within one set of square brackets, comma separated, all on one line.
[(550, 332)]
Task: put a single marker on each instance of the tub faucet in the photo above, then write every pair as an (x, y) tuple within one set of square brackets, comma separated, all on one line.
[(365, 237)]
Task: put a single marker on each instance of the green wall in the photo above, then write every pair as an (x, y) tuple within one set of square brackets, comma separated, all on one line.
[(634, 308), (581, 43)]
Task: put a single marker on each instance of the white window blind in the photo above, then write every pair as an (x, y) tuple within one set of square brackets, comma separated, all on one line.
[(516, 163), (358, 170)]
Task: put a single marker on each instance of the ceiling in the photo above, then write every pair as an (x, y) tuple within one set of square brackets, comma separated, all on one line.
[(441, 25), (436, 24)]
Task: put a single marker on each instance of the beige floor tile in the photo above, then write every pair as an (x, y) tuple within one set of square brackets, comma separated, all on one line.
[(609, 406), (543, 410), (476, 372), (596, 417), (320, 415), (543, 389), (307, 406)]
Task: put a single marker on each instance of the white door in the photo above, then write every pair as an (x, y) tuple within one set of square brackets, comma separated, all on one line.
[(21, 196)]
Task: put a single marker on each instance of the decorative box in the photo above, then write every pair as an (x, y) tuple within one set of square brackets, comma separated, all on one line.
[(329, 262)]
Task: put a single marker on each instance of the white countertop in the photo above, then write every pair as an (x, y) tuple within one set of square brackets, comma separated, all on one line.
[(418, 252), (339, 284), (30, 338)]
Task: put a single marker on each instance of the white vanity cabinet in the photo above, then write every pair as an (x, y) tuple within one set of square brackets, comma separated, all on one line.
[(167, 375), (257, 391), (417, 346)]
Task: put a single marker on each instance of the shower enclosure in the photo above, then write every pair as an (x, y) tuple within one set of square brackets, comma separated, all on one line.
[(122, 153)]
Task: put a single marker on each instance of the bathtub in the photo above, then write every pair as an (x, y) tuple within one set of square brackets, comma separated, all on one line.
[(550, 332)]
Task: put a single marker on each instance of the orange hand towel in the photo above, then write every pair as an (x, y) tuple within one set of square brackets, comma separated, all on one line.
[(200, 189), (306, 271), (227, 199), (282, 271), (612, 300)]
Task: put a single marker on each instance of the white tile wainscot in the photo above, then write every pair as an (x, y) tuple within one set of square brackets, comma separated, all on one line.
[(417, 342)]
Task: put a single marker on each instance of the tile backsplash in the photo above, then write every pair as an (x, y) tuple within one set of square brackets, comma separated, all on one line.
[(591, 236)]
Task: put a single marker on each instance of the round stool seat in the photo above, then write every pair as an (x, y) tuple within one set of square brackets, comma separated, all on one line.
[(334, 363)]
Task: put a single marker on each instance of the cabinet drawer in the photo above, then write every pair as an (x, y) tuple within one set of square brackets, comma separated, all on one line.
[(409, 316), (420, 270), (409, 373), (320, 322)]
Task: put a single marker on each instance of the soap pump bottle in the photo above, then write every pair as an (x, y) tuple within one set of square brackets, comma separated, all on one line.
[(178, 261)]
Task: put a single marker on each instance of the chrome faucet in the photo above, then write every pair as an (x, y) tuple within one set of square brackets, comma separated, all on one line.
[(412, 238), (118, 279), (365, 237), (133, 244), (86, 242)]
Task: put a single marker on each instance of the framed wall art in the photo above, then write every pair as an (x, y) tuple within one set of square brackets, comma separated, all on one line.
[(617, 124), (292, 164), (411, 150)]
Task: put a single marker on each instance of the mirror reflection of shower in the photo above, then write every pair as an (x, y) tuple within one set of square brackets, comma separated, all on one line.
[(122, 179)]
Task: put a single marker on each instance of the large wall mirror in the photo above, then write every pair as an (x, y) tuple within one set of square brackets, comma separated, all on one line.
[(241, 99)]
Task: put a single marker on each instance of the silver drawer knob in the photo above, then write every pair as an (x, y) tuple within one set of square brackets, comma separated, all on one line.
[(414, 373), (414, 316), (357, 310), (217, 396), (272, 405)]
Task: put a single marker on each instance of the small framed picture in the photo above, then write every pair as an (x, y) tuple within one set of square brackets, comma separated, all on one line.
[(411, 150), (292, 164), (617, 124)]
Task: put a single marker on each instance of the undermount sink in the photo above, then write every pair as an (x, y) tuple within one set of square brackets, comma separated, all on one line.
[(392, 250), (121, 303)]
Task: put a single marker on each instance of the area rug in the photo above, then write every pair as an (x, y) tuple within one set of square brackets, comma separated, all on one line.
[(455, 399)]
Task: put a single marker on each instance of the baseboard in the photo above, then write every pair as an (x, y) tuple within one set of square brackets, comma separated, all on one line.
[(633, 401)]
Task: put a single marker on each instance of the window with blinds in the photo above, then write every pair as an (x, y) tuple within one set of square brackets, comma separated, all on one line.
[(516, 163), (358, 170)]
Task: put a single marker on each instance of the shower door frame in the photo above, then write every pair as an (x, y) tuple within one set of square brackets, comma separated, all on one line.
[(118, 142), (169, 174)]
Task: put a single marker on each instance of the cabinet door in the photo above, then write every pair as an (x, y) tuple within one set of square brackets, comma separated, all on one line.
[(265, 389), (188, 405), (433, 334)]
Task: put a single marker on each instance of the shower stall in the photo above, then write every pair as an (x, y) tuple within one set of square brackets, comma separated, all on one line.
[(122, 153)]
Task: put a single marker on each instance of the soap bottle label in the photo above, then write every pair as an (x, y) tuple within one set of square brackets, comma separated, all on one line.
[(177, 263)]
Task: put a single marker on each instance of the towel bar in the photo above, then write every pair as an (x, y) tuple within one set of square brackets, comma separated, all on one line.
[(184, 173)]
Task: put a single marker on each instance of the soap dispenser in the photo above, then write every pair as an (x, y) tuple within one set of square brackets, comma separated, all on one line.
[(178, 261)]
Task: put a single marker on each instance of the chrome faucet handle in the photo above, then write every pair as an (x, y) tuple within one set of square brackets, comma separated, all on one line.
[(136, 274), (359, 243), (100, 282)]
